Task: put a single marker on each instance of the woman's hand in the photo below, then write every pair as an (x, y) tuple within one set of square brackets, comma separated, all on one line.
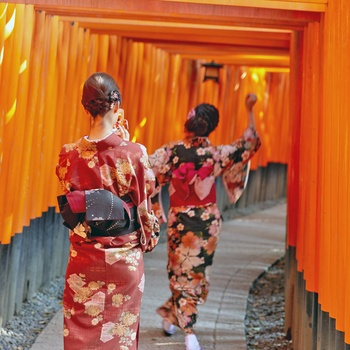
[(122, 130), (122, 125), (250, 101)]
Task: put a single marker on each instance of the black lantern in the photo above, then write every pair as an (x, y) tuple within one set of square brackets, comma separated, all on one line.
[(211, 71)]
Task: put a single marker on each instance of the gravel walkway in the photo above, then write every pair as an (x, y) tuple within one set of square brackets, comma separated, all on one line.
[(21, 331), (264, 322)]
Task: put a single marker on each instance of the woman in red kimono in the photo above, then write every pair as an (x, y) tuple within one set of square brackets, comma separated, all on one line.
[(105, 272), (190, 167)]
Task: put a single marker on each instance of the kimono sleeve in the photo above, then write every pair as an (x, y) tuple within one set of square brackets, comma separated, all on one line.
[(235, 163), (161, 166), (62, 169), (150, 229)]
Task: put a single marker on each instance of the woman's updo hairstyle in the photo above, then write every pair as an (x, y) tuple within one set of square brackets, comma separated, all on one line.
[(202, 120), (100, 94)]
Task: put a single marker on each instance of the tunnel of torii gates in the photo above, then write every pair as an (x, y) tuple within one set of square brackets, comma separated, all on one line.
[(48, 48)]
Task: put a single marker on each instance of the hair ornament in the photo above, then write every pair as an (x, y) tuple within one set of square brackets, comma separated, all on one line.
[(114, 96), (191, 113)]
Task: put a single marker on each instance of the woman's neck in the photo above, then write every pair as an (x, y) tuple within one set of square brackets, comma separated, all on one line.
[(100, 127)]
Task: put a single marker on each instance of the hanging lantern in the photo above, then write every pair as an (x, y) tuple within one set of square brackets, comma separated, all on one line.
[(212, 71)]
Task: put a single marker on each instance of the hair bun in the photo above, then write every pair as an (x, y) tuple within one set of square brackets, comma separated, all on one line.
[(100, 94), (204, 121)]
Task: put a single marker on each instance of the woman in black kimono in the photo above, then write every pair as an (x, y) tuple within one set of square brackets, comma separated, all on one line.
[(190, 167)]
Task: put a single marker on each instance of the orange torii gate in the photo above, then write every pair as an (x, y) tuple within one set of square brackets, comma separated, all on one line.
[(47, 48)]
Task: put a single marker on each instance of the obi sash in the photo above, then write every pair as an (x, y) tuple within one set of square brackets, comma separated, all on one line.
[(106, 213)]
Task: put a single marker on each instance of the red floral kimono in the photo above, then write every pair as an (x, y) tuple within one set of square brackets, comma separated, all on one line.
[(105, 275), (190, 167)]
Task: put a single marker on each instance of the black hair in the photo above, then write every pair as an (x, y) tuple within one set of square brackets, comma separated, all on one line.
[(100, 94), (205, 120)]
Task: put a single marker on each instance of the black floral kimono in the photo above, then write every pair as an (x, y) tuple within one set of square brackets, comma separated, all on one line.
[(190, 167)]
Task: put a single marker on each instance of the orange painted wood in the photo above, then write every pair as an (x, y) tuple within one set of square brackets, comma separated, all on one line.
[(319, 170), (336, 109), (25, 123), (9, 102), (294, 138), (309, 5), (3, 15)]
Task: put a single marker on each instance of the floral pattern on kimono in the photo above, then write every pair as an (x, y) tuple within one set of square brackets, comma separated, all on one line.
[(103, 292), (119, 166), (193, 233), (105, 275), (190, 167)]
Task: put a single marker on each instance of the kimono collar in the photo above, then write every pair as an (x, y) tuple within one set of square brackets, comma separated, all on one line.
[(97, 140), (197, 141), (111, 140)]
